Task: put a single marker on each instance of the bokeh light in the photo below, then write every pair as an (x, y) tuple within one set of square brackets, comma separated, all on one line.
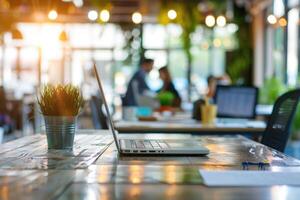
[(137, 18), (210, 20)]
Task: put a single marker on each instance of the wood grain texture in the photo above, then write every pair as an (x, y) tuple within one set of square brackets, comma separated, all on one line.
[(32, 153)]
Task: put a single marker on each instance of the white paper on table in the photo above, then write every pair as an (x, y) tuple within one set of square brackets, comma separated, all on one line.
[(249, 178)]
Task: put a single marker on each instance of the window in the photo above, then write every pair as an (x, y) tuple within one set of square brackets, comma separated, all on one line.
[(71, 60), (292, 47)]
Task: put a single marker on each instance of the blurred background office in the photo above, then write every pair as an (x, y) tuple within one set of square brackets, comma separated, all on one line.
[(203, 43)]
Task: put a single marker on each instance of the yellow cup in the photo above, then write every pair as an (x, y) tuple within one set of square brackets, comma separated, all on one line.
[(208, 114)]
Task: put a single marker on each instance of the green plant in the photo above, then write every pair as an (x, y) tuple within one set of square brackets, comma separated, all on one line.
[(241, 59), (271, 90), (60, 100), (187, 17), (166, 98)]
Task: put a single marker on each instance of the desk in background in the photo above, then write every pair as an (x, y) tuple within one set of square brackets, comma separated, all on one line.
[(263, 110), (254, 128), (94, 170)]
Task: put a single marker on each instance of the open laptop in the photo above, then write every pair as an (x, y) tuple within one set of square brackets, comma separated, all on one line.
[(151, 146), (236, 101), (236, 104)]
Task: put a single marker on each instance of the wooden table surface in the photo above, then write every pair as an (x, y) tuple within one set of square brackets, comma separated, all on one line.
[(94, 170), (191, 126)]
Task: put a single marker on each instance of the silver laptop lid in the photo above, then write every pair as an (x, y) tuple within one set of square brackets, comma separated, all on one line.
[(110, 122)]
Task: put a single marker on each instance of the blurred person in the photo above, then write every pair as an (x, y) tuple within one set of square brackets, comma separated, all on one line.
[(213, 81), (5, 110), (224, 80), (168, 86), (137, 84), (211, 86)]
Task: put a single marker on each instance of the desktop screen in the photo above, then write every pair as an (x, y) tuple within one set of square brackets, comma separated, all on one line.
[(236, 102)]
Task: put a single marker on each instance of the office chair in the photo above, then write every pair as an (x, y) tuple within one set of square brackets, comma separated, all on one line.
[(278, 128), (98, 117)]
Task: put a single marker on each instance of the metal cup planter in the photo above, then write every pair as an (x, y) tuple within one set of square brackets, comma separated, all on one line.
[(60, 106), (60, 131)]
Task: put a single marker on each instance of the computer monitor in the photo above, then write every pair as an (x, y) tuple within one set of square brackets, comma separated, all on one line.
[(236, 101)]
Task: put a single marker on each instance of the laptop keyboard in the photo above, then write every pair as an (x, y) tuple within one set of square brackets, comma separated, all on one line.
[(148, 144)]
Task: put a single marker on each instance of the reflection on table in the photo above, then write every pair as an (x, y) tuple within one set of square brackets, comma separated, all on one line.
[(94, 169)]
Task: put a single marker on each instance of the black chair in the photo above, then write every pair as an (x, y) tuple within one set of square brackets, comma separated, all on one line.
[(99, 118), (278, 128)]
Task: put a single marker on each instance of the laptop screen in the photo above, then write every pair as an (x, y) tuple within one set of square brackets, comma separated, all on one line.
[(110, 122), (236, 101)]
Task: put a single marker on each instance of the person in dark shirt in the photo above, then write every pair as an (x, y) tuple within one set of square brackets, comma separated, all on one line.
[(168, 85), (137, 84)]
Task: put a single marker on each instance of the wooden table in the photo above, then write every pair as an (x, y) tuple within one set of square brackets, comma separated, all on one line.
[(254, 128), (94, 170)]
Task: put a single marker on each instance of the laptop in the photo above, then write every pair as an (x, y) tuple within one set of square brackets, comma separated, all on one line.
[(236, 101), (150, 146)]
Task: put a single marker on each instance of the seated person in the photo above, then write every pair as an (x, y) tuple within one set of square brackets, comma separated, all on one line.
[(213, 81), (168, 86), (137, 84), (211, 86)]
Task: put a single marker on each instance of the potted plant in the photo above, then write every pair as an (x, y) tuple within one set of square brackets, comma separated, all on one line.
[(60, 106), (166, 101)]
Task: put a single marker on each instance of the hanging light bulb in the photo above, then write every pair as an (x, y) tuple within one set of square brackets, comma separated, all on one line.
[(172, 14), (52, 15), (104, 15), (137, 17), (210, 20), (272, 19), (221, 21), (92, 15), (282, 22)]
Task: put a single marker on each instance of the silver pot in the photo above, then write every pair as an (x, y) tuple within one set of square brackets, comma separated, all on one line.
[(60, 131)]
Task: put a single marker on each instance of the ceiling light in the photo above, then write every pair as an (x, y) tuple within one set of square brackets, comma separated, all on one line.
[(137, 17), (272, 19), (282, 22), (221, 21), (92, 15), (172, 14), (52, 15), (104, 15), (210, 20)]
